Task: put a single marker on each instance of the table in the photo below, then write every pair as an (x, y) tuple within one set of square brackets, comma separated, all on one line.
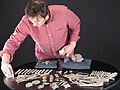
[(95, 65)]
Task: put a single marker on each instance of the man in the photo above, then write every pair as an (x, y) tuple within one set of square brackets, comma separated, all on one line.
[(48, 27)]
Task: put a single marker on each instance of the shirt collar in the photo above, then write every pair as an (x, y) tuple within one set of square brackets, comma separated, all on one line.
[(51, 16)]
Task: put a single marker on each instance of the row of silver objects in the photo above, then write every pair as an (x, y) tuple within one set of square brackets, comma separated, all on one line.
[(95, 78), (30, 74)]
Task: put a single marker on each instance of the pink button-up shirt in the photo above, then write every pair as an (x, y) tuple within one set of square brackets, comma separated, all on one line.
[(49, 38)]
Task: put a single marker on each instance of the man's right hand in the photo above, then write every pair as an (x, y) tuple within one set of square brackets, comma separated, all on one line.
[(6, 66), (7, 70)]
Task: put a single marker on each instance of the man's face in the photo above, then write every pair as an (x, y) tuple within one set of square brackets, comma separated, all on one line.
[(38, 20)]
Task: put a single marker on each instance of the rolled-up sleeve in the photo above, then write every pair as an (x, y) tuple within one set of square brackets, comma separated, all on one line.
[(74, 24), (18, 36)]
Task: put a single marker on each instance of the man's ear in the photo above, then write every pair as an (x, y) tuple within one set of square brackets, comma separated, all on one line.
[(47, 17)]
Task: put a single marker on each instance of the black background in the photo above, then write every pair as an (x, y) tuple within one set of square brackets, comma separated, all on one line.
[(100, 29)]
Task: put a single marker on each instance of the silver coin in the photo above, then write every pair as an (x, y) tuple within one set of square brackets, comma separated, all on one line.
[(45, 83), (28, 85), (36, 82), (40, 86)]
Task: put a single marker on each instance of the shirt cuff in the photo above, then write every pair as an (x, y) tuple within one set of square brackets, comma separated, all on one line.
[(74, 38)]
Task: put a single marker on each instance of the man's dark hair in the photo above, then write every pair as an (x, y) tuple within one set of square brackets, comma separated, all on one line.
[(37, 8)]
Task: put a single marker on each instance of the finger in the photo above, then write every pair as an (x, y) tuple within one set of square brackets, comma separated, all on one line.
[(5, 72), (61, 51), (67, 52), (6, 69), (11, 71), (67, 55)]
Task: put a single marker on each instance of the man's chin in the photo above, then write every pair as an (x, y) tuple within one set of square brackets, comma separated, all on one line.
[(40, 25)]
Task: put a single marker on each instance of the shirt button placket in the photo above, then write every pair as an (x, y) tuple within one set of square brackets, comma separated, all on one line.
[(46, 25), (51, 40), (52, 47), (52, 43)]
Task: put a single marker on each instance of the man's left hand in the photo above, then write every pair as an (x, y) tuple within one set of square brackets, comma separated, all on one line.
[(68, 49)]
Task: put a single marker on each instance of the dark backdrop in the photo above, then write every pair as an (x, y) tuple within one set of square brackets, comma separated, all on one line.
[(100, 29)]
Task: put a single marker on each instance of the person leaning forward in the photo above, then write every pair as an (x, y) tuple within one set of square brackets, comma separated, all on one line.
[(48, 27)]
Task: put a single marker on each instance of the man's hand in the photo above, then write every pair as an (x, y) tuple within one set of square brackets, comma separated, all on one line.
[(5, 66), (68, 49), (7, 70)]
